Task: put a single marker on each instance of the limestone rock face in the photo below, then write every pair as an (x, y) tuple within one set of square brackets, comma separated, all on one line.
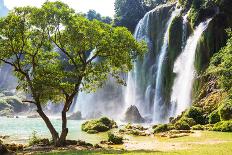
[(133, 115)]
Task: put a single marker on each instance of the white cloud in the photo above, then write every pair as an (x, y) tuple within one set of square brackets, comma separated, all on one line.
[(104, 7)]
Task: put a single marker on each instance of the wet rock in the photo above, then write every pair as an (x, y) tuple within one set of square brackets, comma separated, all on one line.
[(75, 116), (97, 146), (83, 143), (133, 115), (71, 142), (4, 137), (3, 149), (14, 147), (136, 130)]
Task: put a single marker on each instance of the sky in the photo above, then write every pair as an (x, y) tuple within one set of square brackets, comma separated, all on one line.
[(104, 7)]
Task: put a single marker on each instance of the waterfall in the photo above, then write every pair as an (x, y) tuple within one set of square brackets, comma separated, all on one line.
[(141, 33), (184, 69), (158, 96), (184, 29)]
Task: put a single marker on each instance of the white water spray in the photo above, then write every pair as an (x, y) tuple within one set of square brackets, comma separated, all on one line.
[(158, 98), (184, 68)]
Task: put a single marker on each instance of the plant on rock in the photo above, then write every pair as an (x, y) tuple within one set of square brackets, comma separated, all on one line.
[(115, 139), (98, 125)]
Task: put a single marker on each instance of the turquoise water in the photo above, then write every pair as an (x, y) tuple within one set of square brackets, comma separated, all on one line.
[(20, 129)]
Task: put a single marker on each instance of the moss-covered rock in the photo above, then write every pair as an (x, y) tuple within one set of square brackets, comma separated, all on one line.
[(98, 125), (214, 117), (136, 130), (115, 139), (224, 126)]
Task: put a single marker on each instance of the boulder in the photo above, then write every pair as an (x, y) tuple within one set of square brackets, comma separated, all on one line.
[(115, 139), (3, 149), (133, 115), (75, 116), (98, 125)]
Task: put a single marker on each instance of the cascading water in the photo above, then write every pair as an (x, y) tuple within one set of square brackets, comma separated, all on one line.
[(158, 96), (184, 68), (141, 33)]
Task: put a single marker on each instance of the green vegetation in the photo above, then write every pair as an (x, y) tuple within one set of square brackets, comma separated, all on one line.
[(92, 14), (197, 127), (98, 125), (224, 126), (129, 12), (182, 125), (162, 128), (214, 117), (86, 53), (115, 139), (196, 114)]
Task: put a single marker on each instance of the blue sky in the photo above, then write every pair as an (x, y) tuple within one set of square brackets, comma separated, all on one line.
[(104, 7)]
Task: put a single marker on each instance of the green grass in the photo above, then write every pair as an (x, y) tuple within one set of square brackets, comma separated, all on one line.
[(207, 143)]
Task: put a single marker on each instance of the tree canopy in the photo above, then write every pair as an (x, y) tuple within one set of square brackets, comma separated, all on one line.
[(57, 53)]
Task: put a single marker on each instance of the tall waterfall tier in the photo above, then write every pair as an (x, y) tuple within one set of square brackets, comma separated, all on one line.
[(141, 90), (185, 71)]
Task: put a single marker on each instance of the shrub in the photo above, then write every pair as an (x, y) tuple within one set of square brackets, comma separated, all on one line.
[(162, 128), (224, 126), (189, 121), (225, 111), (197, 114), (198, 127), (182, 125), (99, 125), (115, 139), (34, 139), (214, 117)]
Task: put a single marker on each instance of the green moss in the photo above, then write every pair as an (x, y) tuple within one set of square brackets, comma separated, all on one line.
[(174, 49)]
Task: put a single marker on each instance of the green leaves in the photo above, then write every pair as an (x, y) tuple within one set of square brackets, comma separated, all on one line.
[(221, 65), (57, 53)]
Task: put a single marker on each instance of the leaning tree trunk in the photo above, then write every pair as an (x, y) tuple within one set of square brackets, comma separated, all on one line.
[(54, 133)]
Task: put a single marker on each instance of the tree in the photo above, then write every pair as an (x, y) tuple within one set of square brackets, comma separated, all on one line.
[(129, 12), (24, 45), (87, 52), (92, 14), (93, 51)]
